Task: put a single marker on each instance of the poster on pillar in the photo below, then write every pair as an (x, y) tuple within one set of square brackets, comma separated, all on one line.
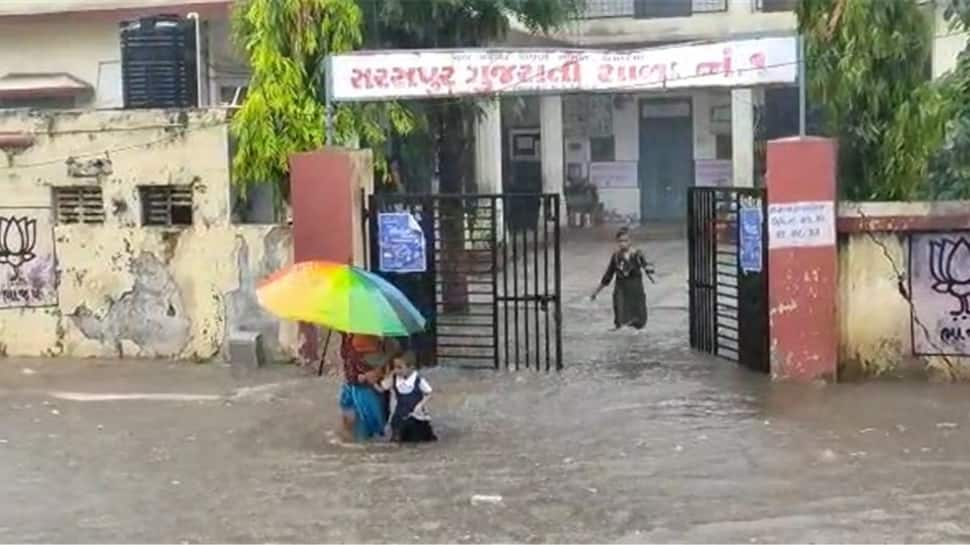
[(939, 287), (802, 224)]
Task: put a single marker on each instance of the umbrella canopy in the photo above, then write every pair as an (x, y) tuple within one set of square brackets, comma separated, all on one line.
[(339, 297)]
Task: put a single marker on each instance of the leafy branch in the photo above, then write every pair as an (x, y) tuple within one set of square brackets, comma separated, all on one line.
[(286, 42), (867, 63)]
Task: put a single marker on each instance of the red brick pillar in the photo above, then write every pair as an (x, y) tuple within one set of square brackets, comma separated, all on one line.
[(326, 194), (802, 259)]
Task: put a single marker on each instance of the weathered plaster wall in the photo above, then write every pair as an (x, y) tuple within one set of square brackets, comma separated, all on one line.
[(876, 325), (128, 290)]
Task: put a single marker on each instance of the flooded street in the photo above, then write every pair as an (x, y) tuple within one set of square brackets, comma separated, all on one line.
[(638, 440)]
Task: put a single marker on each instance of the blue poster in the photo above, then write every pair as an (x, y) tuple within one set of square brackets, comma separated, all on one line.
[(750, 245), (401, 241)]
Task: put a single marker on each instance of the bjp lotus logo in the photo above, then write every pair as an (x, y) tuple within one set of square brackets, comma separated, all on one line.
[(18, 236), (950, 268)]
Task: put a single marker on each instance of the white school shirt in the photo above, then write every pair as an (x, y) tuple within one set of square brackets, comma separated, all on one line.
[(406, 385)]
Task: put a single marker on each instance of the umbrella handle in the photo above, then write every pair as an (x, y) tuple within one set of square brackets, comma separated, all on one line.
[(323, 357)]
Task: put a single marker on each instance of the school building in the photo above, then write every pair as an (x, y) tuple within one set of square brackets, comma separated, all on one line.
[(642, 149)]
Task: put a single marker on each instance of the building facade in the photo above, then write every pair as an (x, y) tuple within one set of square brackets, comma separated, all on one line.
[(66, 54), (116, 238), (119, 232), (642, 150)]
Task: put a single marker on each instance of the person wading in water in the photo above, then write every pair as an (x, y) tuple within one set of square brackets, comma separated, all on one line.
[(627, 266), (363, 409)]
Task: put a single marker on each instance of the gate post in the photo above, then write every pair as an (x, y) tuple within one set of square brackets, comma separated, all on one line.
[(327, 188), (802, 259)]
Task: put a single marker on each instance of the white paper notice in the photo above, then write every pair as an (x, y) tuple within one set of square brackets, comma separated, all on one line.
[(801, 224), (613, 175)]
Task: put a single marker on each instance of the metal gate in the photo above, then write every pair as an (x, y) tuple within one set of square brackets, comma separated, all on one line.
[(485, 270), (728, 274)]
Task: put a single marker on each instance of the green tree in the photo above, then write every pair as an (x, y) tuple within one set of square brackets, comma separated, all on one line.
[(285, 42), (421, 24), (949, 175), (868, 67)]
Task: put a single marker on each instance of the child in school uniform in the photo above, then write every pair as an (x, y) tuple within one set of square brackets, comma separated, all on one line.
[(410, 392)]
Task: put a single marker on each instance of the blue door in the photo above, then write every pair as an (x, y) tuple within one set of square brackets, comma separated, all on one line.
[(666, 164)]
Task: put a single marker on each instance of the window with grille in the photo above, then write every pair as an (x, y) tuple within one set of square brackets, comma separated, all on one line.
[(166, 205), (596, 9), (777, 5), (78, 205), (647, 9), (723, 146), (602, 149)]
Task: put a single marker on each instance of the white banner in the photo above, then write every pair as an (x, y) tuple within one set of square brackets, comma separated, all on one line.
[(386, 75)]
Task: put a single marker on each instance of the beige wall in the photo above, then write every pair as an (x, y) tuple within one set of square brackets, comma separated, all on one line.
[(876, 337), (140, 291), (78, 47)]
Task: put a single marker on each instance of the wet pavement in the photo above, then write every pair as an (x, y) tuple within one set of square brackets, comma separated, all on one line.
[(638, 440)]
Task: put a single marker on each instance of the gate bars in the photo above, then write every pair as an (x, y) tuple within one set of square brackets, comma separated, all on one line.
[(492, 286), (728, 305)]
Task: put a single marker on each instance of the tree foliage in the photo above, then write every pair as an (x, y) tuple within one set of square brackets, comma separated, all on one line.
[(868, 66), (949, 176), (285, 42)]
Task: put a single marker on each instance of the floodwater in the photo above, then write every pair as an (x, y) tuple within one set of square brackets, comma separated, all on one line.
[(638, 440)]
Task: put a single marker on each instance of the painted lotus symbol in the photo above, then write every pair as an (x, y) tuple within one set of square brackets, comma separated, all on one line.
[(18, 236), (950, 268)]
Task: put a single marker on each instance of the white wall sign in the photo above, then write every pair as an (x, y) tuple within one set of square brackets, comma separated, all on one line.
[(801, 224), (621, 206), (384, 75), (713, 172), (614, 175)]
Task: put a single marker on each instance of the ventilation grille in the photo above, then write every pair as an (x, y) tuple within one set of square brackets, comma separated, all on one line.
[(75, 205), (166, 205)]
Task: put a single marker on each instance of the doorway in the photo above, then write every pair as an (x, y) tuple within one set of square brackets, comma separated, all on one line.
[(666, 164)]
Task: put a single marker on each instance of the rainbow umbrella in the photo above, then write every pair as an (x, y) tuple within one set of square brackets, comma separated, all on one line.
[(340, 297)]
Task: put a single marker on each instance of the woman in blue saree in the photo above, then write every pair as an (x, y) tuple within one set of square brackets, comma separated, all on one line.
[(361, 404)]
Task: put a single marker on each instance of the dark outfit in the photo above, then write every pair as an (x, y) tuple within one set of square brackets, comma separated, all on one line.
[(408, 426), (629, 300)]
